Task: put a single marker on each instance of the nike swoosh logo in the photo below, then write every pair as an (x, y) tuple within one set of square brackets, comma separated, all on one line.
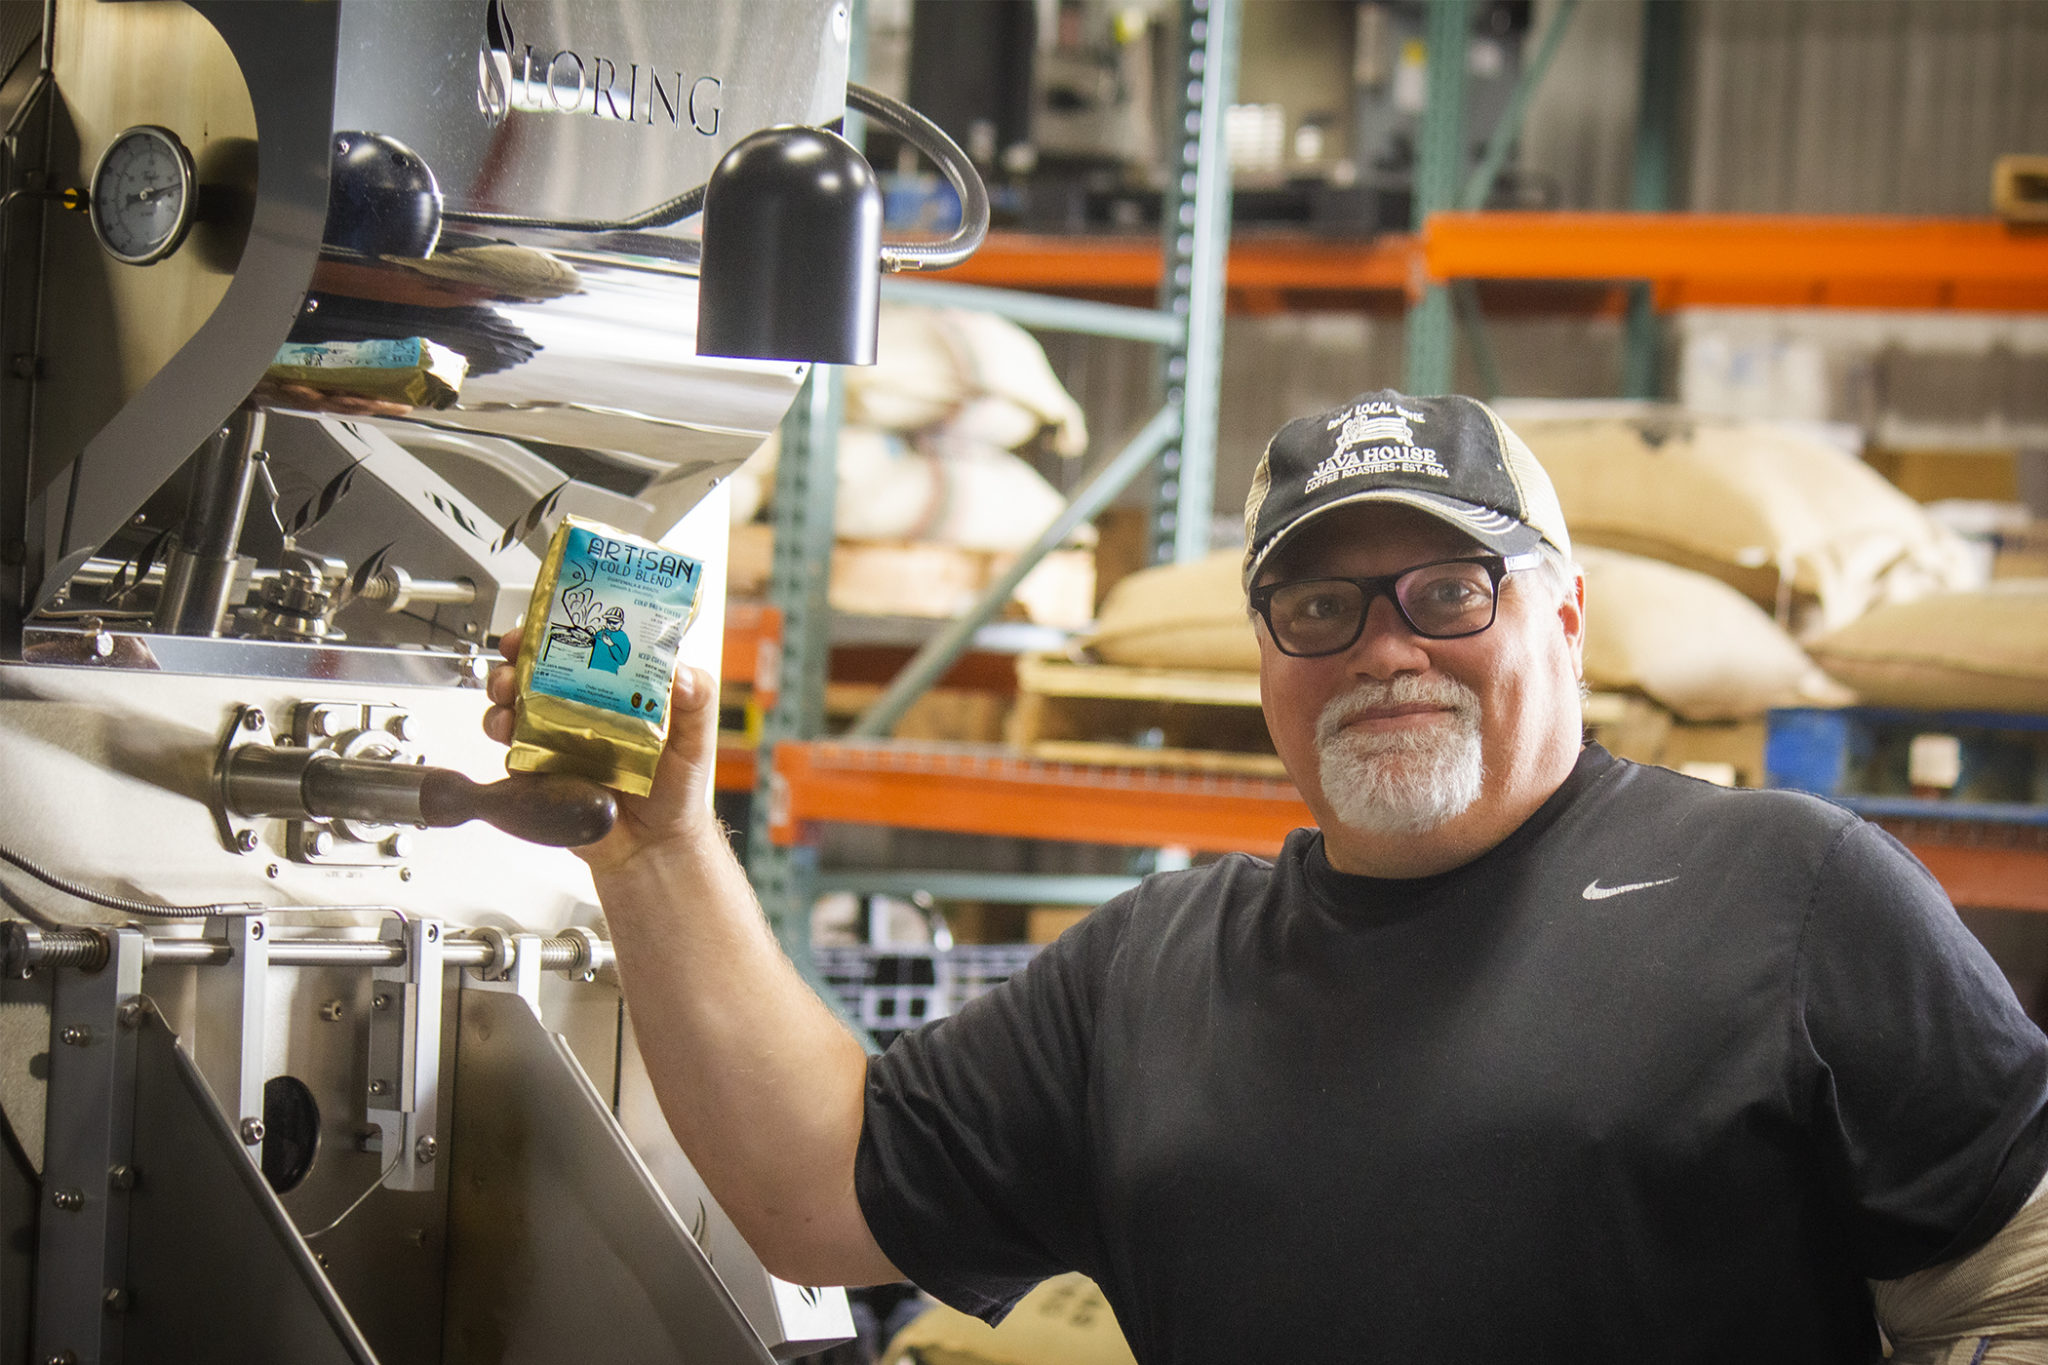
[(1596, 892)]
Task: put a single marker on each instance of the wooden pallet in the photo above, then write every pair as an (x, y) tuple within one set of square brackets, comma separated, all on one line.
[(1188, 720)]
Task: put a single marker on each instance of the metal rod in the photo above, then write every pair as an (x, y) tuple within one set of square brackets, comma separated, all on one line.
[(1479, 185), (1010, 888), (936, 657), (86, 948), (200, 577), (1041, 311)]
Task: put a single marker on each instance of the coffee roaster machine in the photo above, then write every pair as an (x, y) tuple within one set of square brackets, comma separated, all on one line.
[(310, 1042)]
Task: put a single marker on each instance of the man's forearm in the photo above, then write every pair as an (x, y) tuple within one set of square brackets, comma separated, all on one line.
[(760, 1083)]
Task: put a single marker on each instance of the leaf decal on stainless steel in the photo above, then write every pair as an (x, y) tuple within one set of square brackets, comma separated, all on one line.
[(494, 65), (520, 527), (130, 575), (314, 510), (361, 578)]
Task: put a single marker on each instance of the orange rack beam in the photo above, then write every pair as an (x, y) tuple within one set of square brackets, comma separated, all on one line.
[(1755, 259), (968, 789), (974, 790), (1693, 259)]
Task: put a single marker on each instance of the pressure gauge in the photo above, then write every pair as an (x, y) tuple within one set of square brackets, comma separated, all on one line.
[(142, 193)]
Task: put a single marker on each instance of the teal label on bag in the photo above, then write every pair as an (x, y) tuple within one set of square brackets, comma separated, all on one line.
[(615, 623)]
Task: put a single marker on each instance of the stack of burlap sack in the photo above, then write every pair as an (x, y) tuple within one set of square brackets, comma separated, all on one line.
[(1731, 566), (927, 450)]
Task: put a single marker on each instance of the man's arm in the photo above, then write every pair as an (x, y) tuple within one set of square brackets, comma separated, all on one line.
[(761, 1084), (1987, 1308)]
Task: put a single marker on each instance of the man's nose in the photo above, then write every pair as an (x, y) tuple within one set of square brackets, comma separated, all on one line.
[(1387, 646)]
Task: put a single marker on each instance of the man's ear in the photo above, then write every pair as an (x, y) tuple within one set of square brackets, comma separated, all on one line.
[(1571, 615)]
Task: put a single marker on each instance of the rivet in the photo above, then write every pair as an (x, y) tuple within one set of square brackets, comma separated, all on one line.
[(71, 1201), (331, 1011), (252, 1131), (380, 1001), (426, 1149), (247, 841), (252, 719), (379, 1087), (78, 1035)]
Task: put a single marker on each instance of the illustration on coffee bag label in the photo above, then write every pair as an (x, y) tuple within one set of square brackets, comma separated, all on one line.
[(615, 623)]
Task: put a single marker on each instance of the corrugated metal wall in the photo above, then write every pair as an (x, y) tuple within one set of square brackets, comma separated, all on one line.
[(1860, 106)]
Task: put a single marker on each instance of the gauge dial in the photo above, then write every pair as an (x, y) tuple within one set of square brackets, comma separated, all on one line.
[(142, 192)]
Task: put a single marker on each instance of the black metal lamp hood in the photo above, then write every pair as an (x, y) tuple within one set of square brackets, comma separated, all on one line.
[(792, 266)]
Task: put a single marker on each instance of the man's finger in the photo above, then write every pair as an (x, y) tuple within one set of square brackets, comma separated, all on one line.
[(508, 643), (498, 724), (502, 684)]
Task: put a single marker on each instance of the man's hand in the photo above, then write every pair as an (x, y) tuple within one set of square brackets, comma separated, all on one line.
[(679, 803)]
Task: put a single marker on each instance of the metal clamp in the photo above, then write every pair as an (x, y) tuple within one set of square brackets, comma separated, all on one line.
[(232, 1007), (404, 1087)]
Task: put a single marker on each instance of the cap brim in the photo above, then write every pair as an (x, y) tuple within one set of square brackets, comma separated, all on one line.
[(1496, 531)]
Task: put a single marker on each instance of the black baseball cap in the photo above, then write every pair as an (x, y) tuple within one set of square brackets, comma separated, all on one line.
[(1449, 456)]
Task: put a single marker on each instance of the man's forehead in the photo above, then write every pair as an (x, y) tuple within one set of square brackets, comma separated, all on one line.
[(1400, 535)]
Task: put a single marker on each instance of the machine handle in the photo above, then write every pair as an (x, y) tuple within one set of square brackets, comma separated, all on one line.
[(297, 784), (541, 808)]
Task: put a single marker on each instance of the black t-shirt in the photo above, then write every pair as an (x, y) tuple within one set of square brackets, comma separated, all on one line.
[(1664, 1076)]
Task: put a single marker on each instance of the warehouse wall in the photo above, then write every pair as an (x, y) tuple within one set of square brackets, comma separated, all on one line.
[(1860, 106)]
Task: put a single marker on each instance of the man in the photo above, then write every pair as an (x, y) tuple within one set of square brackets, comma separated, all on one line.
[(1525, 1053)]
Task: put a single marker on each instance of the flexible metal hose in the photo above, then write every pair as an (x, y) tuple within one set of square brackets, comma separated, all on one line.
[(125, 904), (893, 114)]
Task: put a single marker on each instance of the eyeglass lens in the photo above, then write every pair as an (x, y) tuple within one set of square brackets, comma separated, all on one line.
[(1322, 616)]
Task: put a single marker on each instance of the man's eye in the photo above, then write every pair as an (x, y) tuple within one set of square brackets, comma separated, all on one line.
[(1451, 592), (1323, 606)]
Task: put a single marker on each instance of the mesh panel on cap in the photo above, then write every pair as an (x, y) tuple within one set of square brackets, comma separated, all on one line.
[(1262, 480), (1541, 509)]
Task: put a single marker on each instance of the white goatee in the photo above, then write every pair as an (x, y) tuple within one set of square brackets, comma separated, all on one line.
[(1406, 781)]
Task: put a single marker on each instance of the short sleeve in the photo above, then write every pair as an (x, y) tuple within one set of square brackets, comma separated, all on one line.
[(973, 1169), (1929, 1081)]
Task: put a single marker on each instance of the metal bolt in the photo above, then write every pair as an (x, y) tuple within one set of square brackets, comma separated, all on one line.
[(322, 722), (61, 1358), (331, 1011), (404, 728), (71, 1201), (252, 719), (379, 1087), (426, 1149), (248, 840), (398, 846), (380, 1001), (121, 1177), (272, 871), (78, 1035), (320, 843), (256, 929), (433, 932), (252, 1131), (313, 306), (418, 1236), (405, 874), (117, 1300), (133, 1012)]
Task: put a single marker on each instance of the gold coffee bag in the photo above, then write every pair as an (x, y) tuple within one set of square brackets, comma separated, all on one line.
[(598, 656)]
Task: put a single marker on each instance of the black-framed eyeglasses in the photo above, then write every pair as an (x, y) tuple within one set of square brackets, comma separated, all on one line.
[(1445, 599)]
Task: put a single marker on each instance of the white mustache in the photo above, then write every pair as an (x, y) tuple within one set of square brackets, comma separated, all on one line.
[(1404, 690)]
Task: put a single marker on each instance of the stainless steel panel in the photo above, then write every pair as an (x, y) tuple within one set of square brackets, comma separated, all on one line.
[(124, 401), (413, 70), (216, 1271), (561, 1246)]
